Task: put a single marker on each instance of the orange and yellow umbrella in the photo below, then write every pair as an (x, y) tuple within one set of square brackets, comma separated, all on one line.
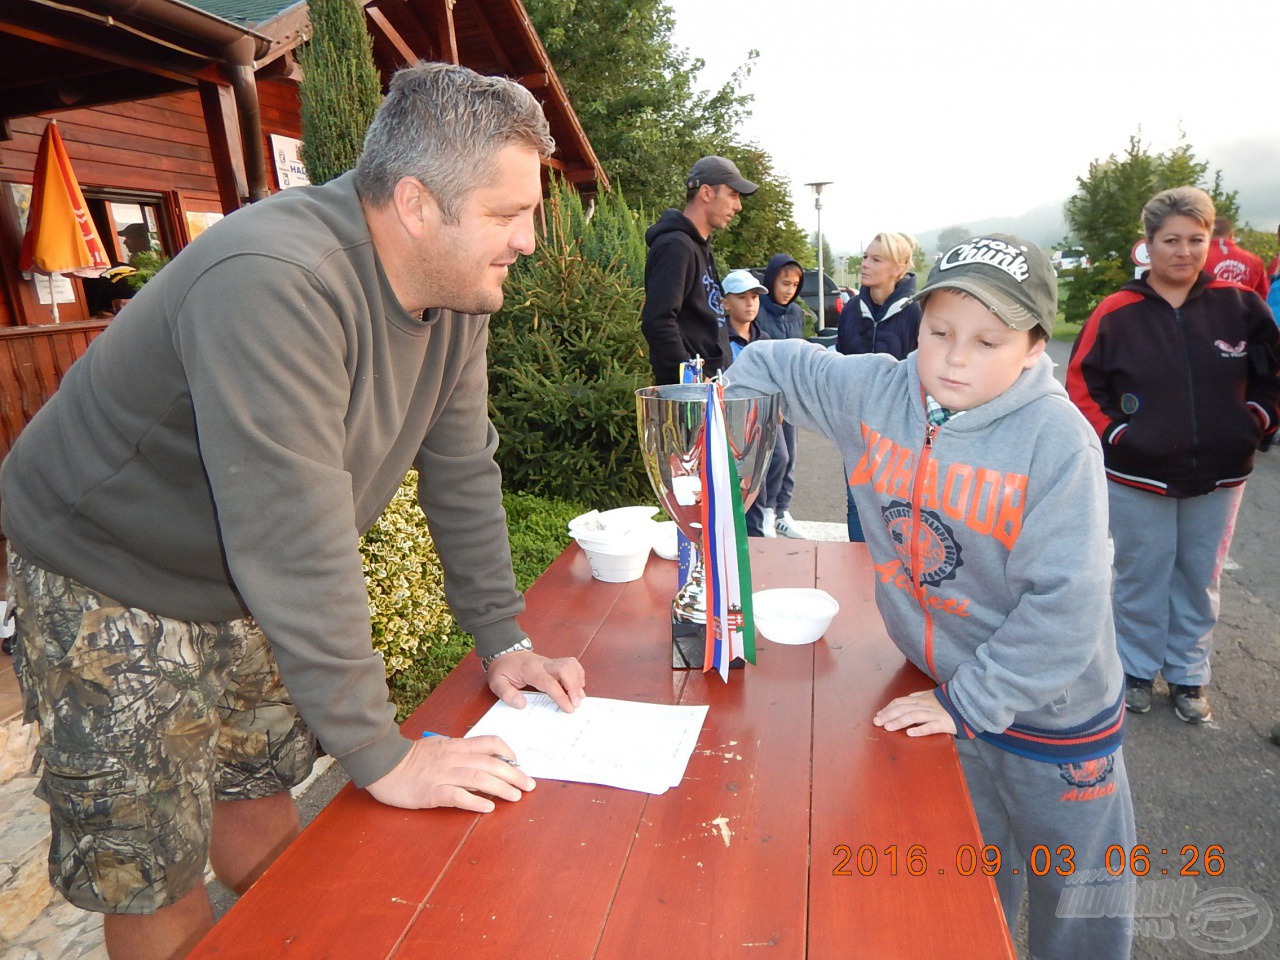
[(60, 235)]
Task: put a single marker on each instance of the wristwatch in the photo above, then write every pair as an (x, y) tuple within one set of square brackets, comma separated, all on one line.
[(487, 662)]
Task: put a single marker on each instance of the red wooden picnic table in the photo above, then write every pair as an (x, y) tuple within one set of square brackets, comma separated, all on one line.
[(800, 830)]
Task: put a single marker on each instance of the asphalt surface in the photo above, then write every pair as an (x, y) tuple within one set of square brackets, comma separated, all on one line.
[(1195, 788)]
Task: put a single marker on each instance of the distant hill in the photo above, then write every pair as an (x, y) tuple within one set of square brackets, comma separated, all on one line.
[(1043, 225)]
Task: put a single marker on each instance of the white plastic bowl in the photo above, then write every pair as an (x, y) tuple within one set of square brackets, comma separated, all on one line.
[(793, 615), (619, 562), (666, 541), (601, 526)]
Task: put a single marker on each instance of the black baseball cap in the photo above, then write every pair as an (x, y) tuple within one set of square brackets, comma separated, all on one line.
[(714, 171), (1010, 276)]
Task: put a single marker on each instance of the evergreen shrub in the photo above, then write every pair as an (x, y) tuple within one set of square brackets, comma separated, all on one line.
[(566, 356), (402, 574)]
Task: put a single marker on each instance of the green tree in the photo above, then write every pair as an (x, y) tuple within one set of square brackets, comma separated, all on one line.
[(1261, 242), (828, 258), (566, 357), (1105, 211), (950, 236), (340, 89), (765, 225), (635, 92)]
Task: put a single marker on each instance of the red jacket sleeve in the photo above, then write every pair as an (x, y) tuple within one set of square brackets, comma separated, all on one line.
[(1088, 380)]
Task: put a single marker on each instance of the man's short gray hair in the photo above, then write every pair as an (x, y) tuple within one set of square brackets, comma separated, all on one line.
[(1179, 202), (445, 125)]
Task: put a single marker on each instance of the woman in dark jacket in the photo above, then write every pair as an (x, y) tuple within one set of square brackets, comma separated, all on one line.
[(1177, 373), (882, 319)]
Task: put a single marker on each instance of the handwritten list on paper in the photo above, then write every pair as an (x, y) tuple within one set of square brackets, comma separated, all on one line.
[(617, 743)]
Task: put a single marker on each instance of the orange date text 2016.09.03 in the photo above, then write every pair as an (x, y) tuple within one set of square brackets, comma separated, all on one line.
[(969, 860)]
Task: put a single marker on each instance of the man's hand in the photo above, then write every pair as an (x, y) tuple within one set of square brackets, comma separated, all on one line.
[(920, 712), (441, 772), (563, 680)]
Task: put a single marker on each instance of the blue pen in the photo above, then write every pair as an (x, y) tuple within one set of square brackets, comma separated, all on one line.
[(508, 760)]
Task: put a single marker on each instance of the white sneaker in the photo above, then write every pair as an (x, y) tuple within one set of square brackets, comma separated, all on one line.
[(767, 522), (785, 526)]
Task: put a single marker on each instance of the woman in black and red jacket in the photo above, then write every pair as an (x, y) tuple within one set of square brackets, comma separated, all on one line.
[(1177, 373)]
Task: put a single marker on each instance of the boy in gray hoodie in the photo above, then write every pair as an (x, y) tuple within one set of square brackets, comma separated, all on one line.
[(990, 550)]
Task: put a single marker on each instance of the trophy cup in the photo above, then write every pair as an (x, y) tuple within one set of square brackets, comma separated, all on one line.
[(671, 421)]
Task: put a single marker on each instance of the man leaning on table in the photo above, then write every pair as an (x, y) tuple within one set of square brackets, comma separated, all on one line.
[(185, 513)]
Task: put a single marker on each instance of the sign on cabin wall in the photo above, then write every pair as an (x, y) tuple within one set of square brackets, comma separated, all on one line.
[(287, 153), (51, 286)]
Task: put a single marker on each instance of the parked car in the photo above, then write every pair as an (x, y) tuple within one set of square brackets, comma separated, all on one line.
[(809, 291), (1068, 260)]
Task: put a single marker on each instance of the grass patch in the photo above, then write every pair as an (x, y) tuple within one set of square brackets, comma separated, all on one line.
[(537, 530)]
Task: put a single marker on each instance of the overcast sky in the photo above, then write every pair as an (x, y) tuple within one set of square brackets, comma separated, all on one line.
[(939, 112)]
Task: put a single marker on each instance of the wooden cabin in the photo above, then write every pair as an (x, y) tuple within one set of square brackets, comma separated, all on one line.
[(174, 114)]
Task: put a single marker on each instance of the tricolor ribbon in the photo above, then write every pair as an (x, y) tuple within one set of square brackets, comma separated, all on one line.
[(730, 623)]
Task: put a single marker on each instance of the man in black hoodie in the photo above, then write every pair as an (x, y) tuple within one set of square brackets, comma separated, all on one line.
[(682, 317)]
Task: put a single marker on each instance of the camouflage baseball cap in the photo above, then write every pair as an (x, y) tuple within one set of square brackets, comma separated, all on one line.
[(1010, 276)]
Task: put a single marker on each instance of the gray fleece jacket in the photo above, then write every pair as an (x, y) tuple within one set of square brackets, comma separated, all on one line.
[(992, 570), (220, 448)]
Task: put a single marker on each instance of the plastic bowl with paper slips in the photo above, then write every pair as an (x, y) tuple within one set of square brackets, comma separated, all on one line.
[(616, 542), (793, 615), (666, 540)]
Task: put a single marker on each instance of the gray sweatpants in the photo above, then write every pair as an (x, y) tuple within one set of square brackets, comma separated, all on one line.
[(1052, 824), (1168, 561)]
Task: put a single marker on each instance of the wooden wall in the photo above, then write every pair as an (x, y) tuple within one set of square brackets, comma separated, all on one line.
[(158, 145)]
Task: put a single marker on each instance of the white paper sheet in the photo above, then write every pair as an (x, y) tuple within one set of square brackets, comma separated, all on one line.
[(618, 743)]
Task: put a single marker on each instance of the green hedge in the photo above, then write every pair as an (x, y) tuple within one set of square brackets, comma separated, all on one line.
[(412, 626), (566, 356)]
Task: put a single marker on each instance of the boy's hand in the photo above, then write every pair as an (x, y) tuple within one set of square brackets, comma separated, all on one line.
[(920, 712)]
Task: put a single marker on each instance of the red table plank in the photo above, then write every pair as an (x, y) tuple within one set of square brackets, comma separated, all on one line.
[(540, 883), (366, 869), (579, 871), (879, 789), (720, 863)]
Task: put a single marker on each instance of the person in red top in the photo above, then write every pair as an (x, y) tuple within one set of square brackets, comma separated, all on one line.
[(1227, 261)]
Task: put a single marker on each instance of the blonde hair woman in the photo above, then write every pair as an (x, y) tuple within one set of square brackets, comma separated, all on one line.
[(882, 318)]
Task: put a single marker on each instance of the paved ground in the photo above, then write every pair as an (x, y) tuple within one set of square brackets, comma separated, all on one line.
[(1194, 788)]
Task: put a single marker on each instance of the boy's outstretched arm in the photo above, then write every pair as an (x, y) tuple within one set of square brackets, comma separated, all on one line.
[(919, 713), (821, 390)]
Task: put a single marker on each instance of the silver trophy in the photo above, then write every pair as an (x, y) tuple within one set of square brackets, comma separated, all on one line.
[(671, 420)]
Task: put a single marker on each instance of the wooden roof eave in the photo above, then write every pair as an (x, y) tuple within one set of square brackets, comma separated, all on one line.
[(591, 164)]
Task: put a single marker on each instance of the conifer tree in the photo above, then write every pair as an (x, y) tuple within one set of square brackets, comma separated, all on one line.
[(340, 90)]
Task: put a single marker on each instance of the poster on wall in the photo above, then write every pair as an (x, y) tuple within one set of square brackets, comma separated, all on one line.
[(20, 193), (52, 286), (290, 170)]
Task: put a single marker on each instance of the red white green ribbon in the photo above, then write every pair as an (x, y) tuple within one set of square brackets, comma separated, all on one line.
[(730, 621)]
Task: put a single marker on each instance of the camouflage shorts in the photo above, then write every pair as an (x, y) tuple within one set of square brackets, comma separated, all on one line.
[(144, 721)]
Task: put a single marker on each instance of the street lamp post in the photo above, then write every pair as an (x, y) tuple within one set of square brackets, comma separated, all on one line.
[(817, 186)]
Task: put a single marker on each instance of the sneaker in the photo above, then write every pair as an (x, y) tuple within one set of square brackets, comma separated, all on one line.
[(1137, 694), (768, 522), (1189, 704), (786, 526)]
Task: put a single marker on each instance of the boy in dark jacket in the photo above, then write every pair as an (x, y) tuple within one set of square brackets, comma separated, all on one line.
[(742, 298), (782, 319)]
